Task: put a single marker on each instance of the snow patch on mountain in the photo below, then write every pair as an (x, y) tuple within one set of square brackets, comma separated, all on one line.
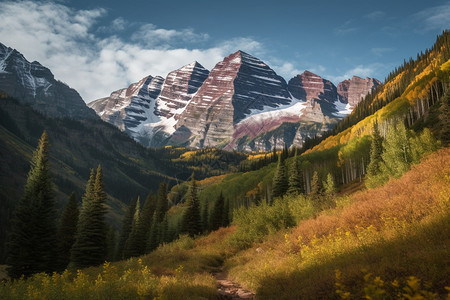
[(295, 108), (343, 109)]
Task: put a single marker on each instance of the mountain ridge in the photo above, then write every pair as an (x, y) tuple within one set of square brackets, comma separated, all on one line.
[(241, 102), (35, 84)]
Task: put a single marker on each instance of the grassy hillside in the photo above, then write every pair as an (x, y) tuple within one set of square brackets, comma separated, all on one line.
[(412, 94), (377, 244), (392, 232)]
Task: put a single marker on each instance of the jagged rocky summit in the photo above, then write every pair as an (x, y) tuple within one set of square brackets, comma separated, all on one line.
[(242, 104), (34, 84)]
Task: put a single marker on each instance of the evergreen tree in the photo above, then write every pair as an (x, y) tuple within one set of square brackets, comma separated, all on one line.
[(132, 245), (329, 186), (145, 222), (32, 243), (191, 222), (162, 206), (126, 228), (315, 187), (82, 241), (111, 244), (89, 248), (374, 169), (205, 215), (376, 149), (226, 214), (99, 223), (217, 216), (66, 232), (295, 182), (154, 238), (164, 230), (280, 182), (397, 155)]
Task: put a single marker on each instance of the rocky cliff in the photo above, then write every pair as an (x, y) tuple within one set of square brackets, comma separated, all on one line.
[(34, 84), (238, 87), (352, 90), (241, 104)]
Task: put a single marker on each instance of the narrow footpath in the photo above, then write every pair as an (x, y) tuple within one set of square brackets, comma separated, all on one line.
[(228, 289)]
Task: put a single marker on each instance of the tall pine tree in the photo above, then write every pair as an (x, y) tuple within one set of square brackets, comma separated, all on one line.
[(145, 222), (217, 215), (66, 232), (226, 220), (154, 236), (162, 206), (329, 187), (315, 187), (280, 181), (295, 181), (132, 245), (205, 217), (89, 248), (127, 223), (32, 243), (191, 222), (374, 168)]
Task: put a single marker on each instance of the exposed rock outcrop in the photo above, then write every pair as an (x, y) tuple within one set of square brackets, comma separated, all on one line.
[(352, 90), (34, 84)]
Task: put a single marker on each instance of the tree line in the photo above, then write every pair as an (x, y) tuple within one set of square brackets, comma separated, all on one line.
[(83, 238)]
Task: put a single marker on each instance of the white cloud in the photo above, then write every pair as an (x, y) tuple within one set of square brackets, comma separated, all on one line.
[(345, 28), (437, 17), (152, 36), (65, 40), (287, 70)]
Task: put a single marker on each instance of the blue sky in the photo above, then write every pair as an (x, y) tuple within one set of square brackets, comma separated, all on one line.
[(99, 46)]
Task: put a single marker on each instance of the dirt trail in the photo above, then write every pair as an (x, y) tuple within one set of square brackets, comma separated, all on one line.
[(228, 289)]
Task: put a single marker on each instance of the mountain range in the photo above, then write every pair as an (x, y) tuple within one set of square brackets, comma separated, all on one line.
[(241, 104)]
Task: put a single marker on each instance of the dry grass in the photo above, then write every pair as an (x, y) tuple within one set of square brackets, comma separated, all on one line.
[(396, 231)]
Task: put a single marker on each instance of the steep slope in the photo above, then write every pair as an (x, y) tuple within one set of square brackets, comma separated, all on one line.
[(34, 84), (127, 108), (241, 105), (352, 90), (149, 109), (315, 89), (238, 87), (408, 94), (178, 89)]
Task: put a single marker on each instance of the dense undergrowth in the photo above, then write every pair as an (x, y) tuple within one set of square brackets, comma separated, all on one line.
[(392, 232), (385, 243)]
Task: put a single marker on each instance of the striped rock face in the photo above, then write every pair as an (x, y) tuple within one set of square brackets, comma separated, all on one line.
[(242, 104), (149, 109), (237, 88), (352, 90)]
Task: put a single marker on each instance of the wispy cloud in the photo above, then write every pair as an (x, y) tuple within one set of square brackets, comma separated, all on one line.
[(94, 60), (375, 15), (437, 17), (150, 35), (345, 28), (381, 51)]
